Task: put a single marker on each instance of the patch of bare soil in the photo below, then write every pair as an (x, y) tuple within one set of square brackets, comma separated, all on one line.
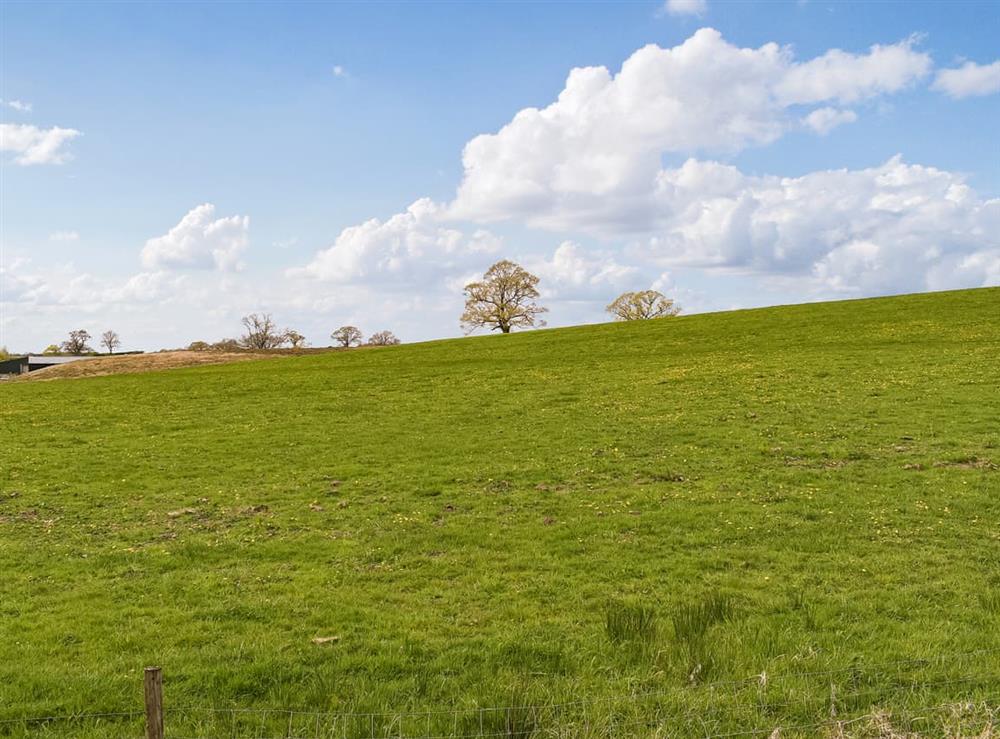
[(132, 363)]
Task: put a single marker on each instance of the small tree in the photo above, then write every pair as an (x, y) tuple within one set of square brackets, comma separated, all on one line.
[(294, 338), (261, 332), (383, 338), (198, 346), (51, 349), (111, 341), (504, 299), (77, 342), (226, 345), (641, 305), (347, 336)]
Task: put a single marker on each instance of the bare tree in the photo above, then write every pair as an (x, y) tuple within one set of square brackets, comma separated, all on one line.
[(637, 306), (111, 341), (347, 336), (383, 338), (294, 338), (503, 300), (77, 342), (261, 332)]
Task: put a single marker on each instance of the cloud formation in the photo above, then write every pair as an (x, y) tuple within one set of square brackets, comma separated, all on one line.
[(19, 105), (199, 242), (599, 145), (895, 227), (33, 145), (824, 120), (399, 249), (969, 80), (685, 7)]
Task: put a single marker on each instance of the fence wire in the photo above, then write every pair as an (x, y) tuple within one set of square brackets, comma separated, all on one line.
[(836, 702)]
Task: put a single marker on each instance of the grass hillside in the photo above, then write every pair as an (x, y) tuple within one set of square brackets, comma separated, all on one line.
[(607, 529)]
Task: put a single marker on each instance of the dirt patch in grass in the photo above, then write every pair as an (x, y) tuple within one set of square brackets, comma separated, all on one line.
[(969, 463)]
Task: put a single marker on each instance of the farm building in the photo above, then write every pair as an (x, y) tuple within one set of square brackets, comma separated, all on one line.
[(32, 362)]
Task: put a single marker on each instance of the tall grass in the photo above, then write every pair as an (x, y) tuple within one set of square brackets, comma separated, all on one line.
[(691, 622), (629, 622)]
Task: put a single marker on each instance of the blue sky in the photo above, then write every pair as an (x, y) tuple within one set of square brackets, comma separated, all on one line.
[(297, 121)]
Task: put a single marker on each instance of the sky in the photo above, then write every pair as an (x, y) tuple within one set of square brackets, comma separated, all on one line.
[(166, 169)]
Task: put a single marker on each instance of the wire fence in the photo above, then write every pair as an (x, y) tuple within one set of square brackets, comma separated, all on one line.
[(955, 695)]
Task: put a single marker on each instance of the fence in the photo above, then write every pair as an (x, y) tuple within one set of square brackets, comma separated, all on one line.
[(955, 695)]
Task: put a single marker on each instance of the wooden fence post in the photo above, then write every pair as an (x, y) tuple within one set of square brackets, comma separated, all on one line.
[(154, 703)]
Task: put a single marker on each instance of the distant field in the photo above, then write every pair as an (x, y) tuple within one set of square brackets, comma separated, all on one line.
[(132, 363), (609, 530)]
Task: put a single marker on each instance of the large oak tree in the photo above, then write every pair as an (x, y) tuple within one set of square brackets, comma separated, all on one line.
[(502, 300)]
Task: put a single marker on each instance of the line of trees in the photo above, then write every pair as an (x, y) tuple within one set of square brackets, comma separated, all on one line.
[(78, 343), (348, 336), (506, 299), (261, 333)]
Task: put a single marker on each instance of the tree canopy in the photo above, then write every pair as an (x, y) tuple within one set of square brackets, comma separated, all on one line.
[(502, 300), (261, 332), (383, 338), (77, 342), (641, 305), (347, 336)]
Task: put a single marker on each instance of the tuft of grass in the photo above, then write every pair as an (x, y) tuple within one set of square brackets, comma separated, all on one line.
[(691, 622), (990, 601), (629, 621)]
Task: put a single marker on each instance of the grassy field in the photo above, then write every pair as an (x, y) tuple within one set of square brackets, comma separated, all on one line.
[(610, 530)]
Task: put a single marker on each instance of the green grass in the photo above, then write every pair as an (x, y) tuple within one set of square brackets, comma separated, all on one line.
[(594, 528)]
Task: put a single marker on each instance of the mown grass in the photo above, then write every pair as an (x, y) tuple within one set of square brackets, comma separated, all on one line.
[(737, 520)]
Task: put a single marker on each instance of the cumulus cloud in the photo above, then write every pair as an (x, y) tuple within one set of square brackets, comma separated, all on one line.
[(591, 163), (969, 80), (889, 228), (599, 145), (33, 145), (848, 78), (824, 120), (685, 7), (573, 272), (199, 242), (399, 248)]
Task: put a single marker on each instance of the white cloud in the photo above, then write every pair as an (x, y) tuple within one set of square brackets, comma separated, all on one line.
[(19, 105), (573, 272), (889, 228), (969, 80), (824, 120), (399, 248), (33, 145), (685, 7), (199, 242), (846, 78), (596, 150), (339, 71), (64, 236)]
